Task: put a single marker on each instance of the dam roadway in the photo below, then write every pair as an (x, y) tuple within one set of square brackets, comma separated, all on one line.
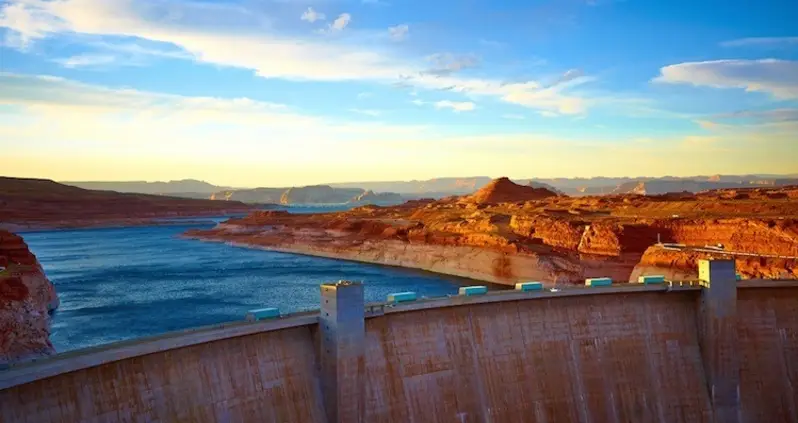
[(716, 351)]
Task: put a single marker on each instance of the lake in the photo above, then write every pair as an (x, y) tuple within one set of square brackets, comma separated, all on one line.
[(123, 283)]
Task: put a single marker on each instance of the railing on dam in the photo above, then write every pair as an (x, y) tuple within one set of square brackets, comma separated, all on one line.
[(679, 352)]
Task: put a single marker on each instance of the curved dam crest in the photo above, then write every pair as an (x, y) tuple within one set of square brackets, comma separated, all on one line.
[(626, 353)]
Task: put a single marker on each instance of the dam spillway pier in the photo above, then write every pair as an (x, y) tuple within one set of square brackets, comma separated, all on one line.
[(716, 351)]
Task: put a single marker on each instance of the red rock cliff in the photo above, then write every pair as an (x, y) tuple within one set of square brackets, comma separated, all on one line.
[(26, 297)]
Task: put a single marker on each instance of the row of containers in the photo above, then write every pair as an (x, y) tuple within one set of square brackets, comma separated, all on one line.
[(402, 297)]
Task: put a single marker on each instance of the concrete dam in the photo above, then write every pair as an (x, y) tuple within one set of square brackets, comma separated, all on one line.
[(718, 350)]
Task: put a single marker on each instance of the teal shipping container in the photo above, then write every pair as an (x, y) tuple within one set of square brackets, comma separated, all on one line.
[(529, 286), (651, 279), (598, 282), (400, 297), (263, 313), (473, 290)]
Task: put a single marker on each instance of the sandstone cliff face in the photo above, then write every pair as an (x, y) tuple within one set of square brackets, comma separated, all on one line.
[(26, 298), (683, 265), (319, 194), (555, 239)]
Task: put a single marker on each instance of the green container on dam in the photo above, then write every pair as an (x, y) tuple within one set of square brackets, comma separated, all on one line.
[(263, 313), (473, 290), (651, 279), (529, 286), (598, 282), (400, 297)]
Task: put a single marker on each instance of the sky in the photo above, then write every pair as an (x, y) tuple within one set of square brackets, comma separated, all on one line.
[(295, 92)]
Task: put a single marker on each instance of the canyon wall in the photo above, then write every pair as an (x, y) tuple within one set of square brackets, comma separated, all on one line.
[(26, 298), (612, 355), (682, 265)]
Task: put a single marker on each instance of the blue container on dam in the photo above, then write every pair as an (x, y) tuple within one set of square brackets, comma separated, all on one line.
[(651, 279), (400, 297), (263, 313), (473, 290), (529, 286), (598, 282)]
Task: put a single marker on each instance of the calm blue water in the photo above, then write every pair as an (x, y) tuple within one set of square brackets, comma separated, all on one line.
[(123, 283)]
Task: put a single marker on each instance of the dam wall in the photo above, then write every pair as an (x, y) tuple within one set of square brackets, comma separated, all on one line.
[(625, 353)]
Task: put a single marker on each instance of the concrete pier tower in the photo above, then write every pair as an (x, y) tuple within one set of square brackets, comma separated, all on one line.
[(342, 329), (719, 343)]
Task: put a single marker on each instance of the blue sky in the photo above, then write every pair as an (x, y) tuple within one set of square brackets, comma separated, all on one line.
[(288, 92)]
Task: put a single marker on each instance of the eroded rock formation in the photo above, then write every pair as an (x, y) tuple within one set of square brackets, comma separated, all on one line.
[(26, 298), (507, 233)]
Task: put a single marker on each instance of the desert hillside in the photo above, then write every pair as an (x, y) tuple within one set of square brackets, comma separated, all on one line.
[(45, 203)]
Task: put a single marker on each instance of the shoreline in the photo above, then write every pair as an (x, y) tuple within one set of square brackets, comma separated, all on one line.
[(32, 227), (401, 255)]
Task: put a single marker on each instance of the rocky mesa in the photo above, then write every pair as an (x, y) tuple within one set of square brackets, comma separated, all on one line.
[(26, 298), (506, 233), (41, 203)]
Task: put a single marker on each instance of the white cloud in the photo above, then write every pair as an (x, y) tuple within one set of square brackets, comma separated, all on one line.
[(457, 106), (762, 42), (86, 113), (87, 61), (311, 15), (341, 22), (548, 114), (206, 33), (514, 117), (226, 35), (399, 32), (418, 102), (778, 78)]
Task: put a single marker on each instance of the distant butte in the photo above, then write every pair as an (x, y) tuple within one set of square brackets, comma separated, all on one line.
[(503, 190)]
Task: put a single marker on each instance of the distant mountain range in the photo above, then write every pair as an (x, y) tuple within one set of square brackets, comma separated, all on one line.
[(192, 188), (183, 186), (441, 187), (392, 192)]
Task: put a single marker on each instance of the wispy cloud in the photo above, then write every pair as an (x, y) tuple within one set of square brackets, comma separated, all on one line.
[(772, 115), (257, 47), (457, 106), (514, 117), (311, 15), (778, 78), (768, 42), (399, 32), (87, 61), (341, 22), (445, 64)]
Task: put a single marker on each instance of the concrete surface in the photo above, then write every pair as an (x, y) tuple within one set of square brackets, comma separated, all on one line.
[(632, 354)]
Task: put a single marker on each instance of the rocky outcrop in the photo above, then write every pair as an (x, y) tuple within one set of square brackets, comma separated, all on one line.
[(555, 239), (26, 298), (370, 197), (319, 194), (503, 190), (683, 265)]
